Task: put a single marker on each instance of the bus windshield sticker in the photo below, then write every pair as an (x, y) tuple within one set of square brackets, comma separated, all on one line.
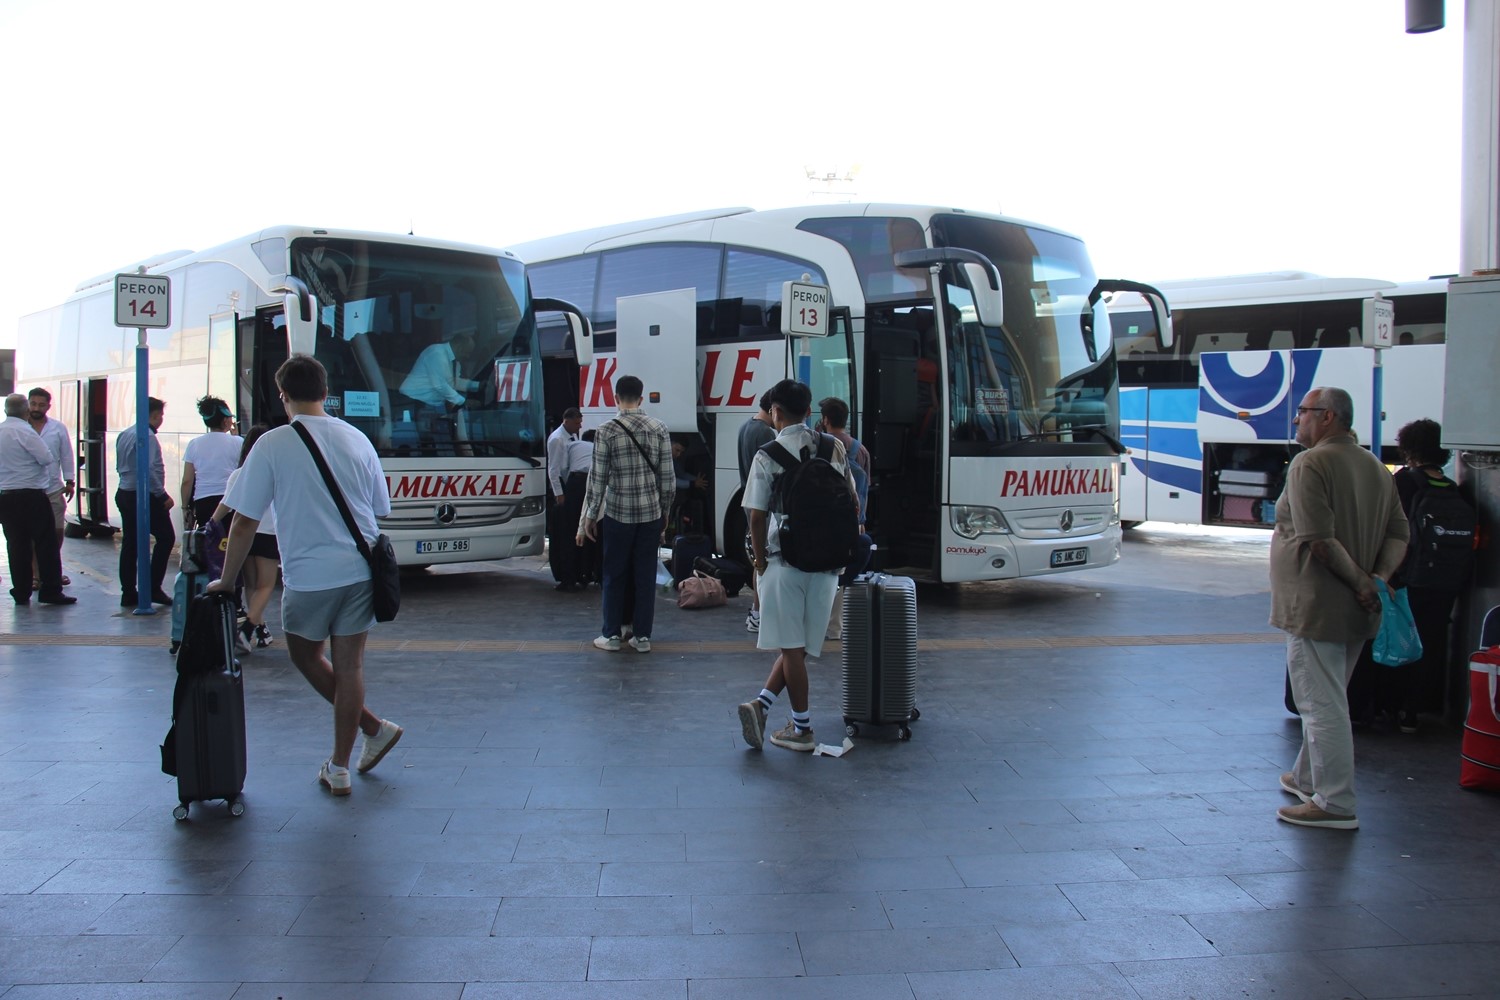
[(993, 401), (361, 404)]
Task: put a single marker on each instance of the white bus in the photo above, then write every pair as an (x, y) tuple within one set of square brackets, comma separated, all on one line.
[(1209, 421), (992, 421), (466, 485)]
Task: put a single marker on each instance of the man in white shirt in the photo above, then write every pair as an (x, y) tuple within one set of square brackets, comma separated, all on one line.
[(560, 535), (25, 515), (59, 442), (438, 383), (794, 603), (326, 594)]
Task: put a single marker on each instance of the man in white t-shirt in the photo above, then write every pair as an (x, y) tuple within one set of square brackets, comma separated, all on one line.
[(326, 593)]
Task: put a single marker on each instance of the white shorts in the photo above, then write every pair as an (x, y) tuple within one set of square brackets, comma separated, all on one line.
[(794, 607), (317, 614)]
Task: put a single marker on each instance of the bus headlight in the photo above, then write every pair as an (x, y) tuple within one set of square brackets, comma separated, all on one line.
[(530, 507), (971, 522)]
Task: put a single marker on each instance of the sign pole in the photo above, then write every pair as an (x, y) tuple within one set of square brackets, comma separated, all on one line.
[(143, 475), (143, 301), (1377, 326)]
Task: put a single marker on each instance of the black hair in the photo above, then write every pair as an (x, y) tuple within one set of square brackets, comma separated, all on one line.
[(572, 413), (1422, 441), (628, 387), (251, 436), (215, 413), (794, 398), (154, 405), (765, 401), (303, 379), (39, 391)]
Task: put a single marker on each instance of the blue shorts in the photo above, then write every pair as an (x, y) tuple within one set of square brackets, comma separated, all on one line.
[(317, 614)]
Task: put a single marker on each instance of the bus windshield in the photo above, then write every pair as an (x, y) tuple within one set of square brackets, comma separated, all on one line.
[(1048, 371), (430, 352)]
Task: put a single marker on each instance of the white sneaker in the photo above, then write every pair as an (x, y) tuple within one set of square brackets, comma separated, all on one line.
[(640, 643), (608, 643), (377, 746), (334, 778), (752, 620)]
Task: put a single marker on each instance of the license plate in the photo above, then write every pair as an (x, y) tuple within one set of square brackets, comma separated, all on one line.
[(1069, 557), (444, 545)]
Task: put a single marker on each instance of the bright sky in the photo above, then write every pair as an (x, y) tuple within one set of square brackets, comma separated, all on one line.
[(1180, 138)]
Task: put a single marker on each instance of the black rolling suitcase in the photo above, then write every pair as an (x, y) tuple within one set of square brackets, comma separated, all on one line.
[(685, 551), (205, 748), (880, 653)]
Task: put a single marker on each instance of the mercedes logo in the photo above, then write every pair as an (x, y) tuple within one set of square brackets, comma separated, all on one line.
[(1066, 521), (446, 513)]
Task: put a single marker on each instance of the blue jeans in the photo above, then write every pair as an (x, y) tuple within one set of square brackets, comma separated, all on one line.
[(630, 560)]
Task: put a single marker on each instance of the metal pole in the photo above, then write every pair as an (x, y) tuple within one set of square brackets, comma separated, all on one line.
[(1377, 392), (143, 587)]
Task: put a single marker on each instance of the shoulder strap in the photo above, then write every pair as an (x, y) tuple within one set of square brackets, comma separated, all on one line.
[(825, 447), (333, 487), (780, 455), (638, 447)]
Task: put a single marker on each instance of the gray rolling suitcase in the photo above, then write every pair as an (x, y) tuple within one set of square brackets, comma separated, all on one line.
[(880, 653)]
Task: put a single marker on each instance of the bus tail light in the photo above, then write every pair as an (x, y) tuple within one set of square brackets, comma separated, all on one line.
[(971, 522)]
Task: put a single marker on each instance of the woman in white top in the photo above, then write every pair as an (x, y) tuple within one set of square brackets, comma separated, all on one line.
[(263, 563), (207, 462)]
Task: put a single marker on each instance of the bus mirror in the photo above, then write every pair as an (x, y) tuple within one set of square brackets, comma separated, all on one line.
[(578, 327), (297, 304), (583, 339), (989, 303), (1157, 302), (1163, 314)]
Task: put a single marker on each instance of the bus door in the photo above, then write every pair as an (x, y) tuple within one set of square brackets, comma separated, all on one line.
[(223, 362), (82, 406), (901, 426), (259, 357)]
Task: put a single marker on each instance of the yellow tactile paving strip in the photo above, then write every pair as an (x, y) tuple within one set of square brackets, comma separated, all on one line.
[(680, 646)]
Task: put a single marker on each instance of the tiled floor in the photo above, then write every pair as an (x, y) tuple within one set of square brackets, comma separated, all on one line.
[(1086, 809)]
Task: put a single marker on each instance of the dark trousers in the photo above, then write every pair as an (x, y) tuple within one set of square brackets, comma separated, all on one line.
[(861, 560), (630, 559), (30, 533), (572, 563), (1415, 687), (161, 531), (204, 507)]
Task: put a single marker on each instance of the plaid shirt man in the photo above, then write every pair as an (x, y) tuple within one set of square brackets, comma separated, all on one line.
[(621, 480)]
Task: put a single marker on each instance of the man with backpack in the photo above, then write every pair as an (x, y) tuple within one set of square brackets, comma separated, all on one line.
[(1439, 560), (804, 525)]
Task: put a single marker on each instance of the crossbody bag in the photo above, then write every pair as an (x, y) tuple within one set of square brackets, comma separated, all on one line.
[(385, 572)]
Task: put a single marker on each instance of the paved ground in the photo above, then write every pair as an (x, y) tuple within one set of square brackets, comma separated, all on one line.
[(1086, 809)]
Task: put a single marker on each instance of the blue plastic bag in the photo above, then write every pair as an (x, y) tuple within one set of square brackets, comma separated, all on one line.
[(1397, 642)]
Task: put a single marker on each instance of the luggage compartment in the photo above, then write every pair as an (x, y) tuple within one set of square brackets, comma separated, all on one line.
[(879, 653)]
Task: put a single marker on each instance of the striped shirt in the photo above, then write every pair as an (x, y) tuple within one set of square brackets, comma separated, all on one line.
[(621, 481)]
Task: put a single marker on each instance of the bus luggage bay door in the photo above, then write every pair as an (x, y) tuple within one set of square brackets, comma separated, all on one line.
[(656, 341)]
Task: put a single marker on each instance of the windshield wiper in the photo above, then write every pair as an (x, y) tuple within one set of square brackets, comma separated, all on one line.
[(1097, 429), (510, 451)]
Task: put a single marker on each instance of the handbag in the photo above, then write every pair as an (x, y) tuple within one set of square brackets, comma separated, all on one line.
[(700, 591), (1397, 642), (385, 572)]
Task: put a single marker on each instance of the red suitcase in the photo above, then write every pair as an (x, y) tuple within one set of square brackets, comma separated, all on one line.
[(1481, 750)]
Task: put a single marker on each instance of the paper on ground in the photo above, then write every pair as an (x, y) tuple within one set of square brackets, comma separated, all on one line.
[(829, 750)]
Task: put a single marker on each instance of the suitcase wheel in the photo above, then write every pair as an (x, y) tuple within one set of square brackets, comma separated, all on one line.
[(236, 807), (915, 713), (903, 732), (180, 813), (850, 729)]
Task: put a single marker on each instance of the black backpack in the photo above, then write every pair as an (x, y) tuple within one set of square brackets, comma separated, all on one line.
[(819, 516), (1440, 555)]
